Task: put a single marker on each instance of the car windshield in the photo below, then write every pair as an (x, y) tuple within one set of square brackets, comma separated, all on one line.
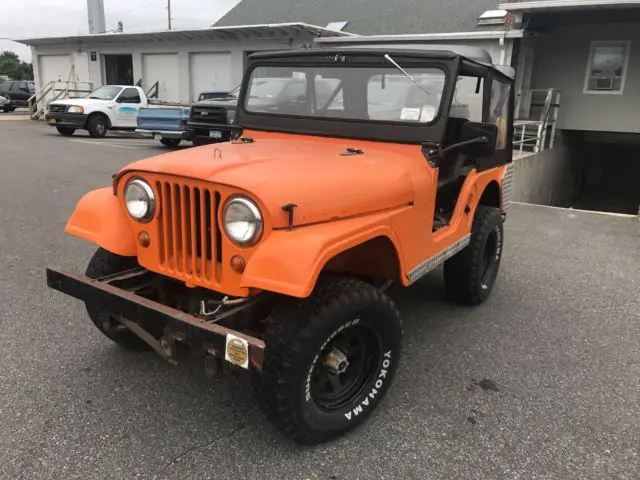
[(108, 92), (378, 93), (268, 87), (219, 95)]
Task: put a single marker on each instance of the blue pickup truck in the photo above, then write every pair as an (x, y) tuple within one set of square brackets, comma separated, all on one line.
[(167, 124)]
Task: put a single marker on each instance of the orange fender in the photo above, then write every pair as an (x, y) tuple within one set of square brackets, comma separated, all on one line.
[(289, 261), (100, 218)]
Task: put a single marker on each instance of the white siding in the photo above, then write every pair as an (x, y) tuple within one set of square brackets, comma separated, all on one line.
[(561, 62), (209, 71), (163, 68)]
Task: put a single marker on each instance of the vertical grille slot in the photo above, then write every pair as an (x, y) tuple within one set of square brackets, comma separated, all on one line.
[(190, 244)]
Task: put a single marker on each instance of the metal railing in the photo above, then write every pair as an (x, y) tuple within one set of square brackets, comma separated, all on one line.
[(532, 134), (52, 91)]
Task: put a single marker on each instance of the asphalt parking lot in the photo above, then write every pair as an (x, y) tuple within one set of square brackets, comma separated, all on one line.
[(542, 381)]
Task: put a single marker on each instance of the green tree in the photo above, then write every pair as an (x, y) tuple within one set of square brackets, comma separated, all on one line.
[(11, 66)]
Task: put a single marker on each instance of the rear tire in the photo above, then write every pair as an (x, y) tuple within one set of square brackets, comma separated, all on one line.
[(470, 275), (170, 142), (66, 131), (97, 125), (344, 320), (105, 263)]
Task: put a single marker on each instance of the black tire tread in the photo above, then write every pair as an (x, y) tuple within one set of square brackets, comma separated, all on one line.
[(289, 333), (105, 263), (91, 125), (462, 271)]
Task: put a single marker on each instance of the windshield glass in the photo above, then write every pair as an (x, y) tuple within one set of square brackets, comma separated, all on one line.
[(378, 93), (219, 95), (105, 93)]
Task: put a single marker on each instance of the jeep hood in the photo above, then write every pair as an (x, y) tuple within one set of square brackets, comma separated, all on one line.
[(311, 172)]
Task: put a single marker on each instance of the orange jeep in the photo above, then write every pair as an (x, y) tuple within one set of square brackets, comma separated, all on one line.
[(272, 252)]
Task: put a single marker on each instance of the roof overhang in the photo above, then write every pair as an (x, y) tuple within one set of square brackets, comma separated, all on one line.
[(245, 32), (424, 37), (555, 5)]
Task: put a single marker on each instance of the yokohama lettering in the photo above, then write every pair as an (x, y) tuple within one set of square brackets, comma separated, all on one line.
[(382, 375)]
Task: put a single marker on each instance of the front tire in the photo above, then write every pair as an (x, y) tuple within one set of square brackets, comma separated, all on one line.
[(470, 275), (66, 131), (105, 263), (97, 125), (330, 360), (170, 142)]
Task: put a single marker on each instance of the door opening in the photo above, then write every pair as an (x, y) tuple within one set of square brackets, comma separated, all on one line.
[(118, 69)]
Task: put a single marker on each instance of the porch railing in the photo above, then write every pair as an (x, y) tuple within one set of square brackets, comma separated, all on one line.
[(537, 132)]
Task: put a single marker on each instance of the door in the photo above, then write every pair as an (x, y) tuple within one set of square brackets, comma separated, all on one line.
[(126, 107), (163, 69), (20, 92), (54, 68), (118, 69), (209, 72)]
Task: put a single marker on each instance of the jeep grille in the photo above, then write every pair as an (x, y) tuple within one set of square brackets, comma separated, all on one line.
[(190, 237)]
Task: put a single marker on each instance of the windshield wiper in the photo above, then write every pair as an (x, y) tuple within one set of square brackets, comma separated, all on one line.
[(405, 73)]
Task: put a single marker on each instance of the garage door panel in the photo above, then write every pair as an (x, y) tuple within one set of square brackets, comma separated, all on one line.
[(162, 68), (54, 68), (209, 71)]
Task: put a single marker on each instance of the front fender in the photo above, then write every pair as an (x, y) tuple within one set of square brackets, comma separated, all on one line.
[(100, 219), (290, 261)]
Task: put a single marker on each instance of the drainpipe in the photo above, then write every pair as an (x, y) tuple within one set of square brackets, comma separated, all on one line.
[(503, 48)]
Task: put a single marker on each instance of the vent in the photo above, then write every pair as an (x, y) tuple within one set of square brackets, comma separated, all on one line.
[(336, 26), (493, 17)]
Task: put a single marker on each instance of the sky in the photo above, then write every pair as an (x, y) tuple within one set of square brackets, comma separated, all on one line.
[(45, 18)]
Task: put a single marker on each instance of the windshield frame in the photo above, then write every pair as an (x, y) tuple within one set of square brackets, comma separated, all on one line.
[(374, 130)]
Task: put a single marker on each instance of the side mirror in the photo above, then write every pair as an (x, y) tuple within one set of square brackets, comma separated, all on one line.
[(480, 137)]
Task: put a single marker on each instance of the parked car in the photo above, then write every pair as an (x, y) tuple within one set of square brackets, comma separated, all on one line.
[(272, 253), (110, 107), (212, 121), (18, 91), (5, 104), (167, 124)]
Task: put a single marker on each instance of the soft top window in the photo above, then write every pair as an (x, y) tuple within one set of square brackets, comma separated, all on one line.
[(377, 93)]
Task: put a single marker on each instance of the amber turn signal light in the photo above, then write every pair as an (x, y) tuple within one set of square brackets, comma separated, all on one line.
[(144, 239), (238, 264)]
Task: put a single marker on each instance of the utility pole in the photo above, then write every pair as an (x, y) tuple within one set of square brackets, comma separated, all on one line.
[(169, 13)]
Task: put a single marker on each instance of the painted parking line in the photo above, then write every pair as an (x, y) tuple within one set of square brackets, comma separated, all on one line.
[(102, 144)]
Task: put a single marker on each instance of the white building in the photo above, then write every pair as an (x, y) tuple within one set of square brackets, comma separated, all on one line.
[(183, 62)]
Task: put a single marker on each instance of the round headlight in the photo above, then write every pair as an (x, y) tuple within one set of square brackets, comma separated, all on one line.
[(140, 200), (242, 221)]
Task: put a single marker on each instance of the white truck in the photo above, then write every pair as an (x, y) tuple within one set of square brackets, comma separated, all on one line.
[(110, 107)]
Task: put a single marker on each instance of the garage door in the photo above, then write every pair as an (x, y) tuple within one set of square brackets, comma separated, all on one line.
[(209, 71), (162, 68), (54, 68)]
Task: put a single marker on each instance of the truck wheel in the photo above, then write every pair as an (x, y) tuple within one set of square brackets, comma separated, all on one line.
[(66, 131), (105, 263), (170, 142), (329, 360), (97, 126), (469, 276)]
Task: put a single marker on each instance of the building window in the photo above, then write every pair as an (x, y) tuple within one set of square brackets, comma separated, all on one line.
[(607, 68)]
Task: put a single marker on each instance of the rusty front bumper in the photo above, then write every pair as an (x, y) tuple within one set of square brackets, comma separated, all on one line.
[(216, 340)]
